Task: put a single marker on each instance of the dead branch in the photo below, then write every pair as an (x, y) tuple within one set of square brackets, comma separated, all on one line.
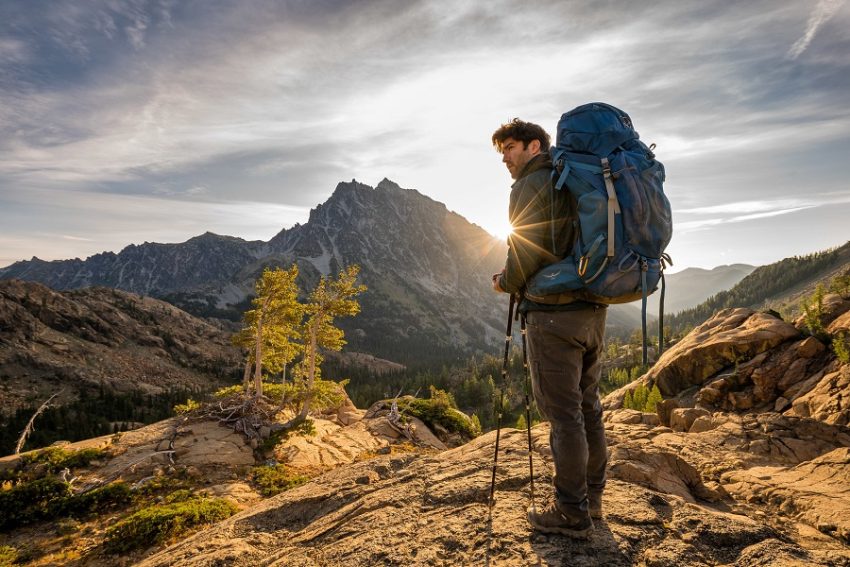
[(29, 428)]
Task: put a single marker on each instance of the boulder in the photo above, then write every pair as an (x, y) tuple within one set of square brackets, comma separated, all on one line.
[(827, 400), (728, 337), (682, 419)]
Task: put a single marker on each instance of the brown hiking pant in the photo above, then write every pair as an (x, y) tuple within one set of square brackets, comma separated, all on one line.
[(564, 351)]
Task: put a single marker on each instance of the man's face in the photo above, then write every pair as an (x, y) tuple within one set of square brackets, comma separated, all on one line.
[(515, 156)]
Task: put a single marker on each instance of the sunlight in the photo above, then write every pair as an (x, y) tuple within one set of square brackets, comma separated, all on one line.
[(502, 230)]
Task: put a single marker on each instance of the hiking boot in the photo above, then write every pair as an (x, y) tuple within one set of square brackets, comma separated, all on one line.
[(550, 520), (594, 504)]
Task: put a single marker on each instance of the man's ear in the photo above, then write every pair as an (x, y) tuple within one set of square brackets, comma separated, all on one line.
[(534, 147)]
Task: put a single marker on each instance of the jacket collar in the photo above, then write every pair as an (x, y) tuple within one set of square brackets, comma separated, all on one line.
[(540, 161)]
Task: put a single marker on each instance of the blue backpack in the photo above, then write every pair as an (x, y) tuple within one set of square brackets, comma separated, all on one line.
[(624, 218)]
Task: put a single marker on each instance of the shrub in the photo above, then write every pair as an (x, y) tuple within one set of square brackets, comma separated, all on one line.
[(840, 348), (8, 555), (161, 523), (813, 311), (190, 406), (50, 498), (276, 479), (58, 458), (29, 501)]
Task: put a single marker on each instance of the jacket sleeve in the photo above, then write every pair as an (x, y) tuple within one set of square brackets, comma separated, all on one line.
[(528, 245)]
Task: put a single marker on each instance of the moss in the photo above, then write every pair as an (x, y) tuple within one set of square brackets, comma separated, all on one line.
[(162, 523), (439, 409), (276, 479)]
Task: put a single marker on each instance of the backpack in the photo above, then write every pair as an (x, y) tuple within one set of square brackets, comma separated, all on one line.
[(624, 219)]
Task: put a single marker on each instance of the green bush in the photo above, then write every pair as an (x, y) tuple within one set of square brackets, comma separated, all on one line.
[(190, 406), (812, 308), (30, 501), (49, 498), (439, 409), (276, 479), (840, 348), (162, 523), (8, 555), (58, 458)]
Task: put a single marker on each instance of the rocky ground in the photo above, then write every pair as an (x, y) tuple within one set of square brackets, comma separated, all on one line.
[(746, 462)]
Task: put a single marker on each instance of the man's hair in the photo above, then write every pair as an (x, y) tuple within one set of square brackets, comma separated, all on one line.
[(523, 132)]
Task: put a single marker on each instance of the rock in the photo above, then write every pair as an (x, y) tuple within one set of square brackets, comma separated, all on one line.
[(814, 491), (657, 468), (210, 445), (239, 493), (331, 446), (781, 404), (681, 419), (705, 423), (741, 400), (732, 334), (626, 416), (802, 388), (826, 400), (810, 347), (433, 511), (840, 325), (794, 374), (665, 408)]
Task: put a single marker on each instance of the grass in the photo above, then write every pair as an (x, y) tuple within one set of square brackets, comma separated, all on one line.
[(163, 523), (276, 479)]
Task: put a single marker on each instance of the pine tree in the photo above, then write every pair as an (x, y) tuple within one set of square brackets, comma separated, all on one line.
[(332, 298), (653, 399), (271, 331)]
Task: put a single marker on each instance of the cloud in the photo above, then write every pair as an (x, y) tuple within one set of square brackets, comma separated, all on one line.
[(743, 211), (269, 101), (821, 14)]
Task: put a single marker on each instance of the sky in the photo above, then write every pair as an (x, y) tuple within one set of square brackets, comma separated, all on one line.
[(130, 121)]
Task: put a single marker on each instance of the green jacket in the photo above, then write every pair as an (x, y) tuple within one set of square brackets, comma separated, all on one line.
[(537, 213)]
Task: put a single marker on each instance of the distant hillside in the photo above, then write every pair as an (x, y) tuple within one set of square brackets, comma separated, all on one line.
[(777, 286), (111, 355), (692, 286)]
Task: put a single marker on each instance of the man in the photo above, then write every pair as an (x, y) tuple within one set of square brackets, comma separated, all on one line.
[(564, 340)]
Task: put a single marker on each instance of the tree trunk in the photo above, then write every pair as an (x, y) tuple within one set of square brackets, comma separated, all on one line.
[(258, 360), (311, 374), (246, 376)]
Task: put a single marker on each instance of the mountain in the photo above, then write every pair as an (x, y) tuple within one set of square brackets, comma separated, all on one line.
[(778, 286), (692, 286), (427, 270)]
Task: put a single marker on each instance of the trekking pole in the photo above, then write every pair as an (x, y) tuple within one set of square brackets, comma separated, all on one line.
[(501, 399), (527, 410)]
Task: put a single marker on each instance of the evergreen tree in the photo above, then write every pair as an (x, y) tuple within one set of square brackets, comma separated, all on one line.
[(653, 399), (330, 299), (271, 330)]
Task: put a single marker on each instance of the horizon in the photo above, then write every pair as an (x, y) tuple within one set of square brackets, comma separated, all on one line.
[(131, 121)]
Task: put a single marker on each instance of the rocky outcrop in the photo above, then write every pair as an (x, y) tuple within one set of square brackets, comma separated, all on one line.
[(741, 360)]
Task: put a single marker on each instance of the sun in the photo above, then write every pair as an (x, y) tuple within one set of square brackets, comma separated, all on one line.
[(502, 230)]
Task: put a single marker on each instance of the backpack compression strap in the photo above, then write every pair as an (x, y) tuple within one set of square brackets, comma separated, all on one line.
[(613, 204)]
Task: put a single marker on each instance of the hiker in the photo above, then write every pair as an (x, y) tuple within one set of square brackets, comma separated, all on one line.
[(564, 340)]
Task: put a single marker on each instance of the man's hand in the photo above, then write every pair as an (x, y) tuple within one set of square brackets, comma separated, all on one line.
[(496, 279)]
